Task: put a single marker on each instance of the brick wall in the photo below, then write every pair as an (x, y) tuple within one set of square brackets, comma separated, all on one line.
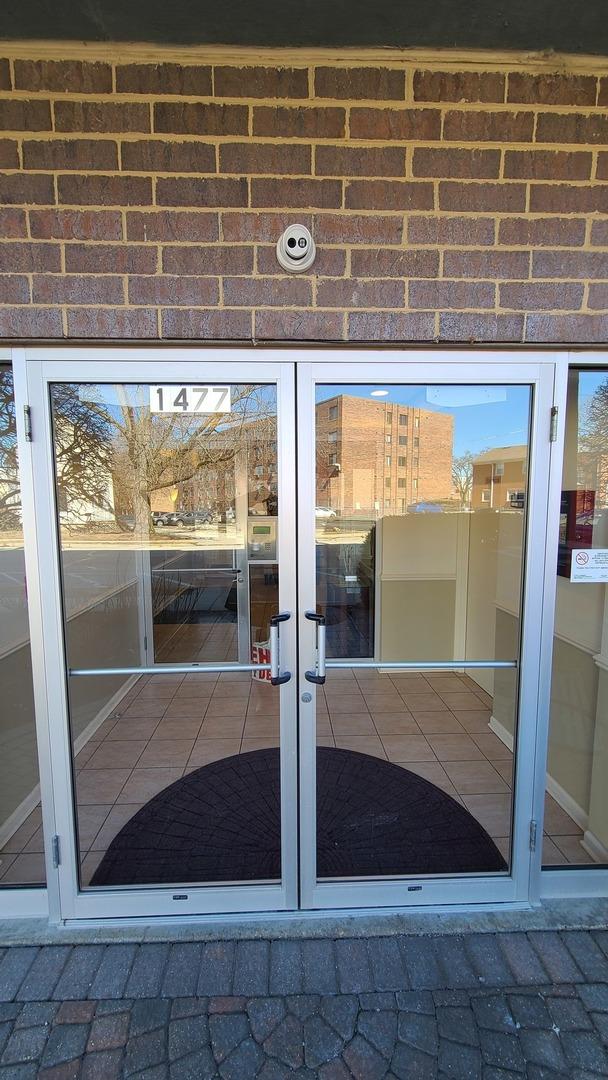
[(143, 201)]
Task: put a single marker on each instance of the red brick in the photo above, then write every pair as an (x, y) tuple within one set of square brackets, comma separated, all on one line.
[(22, 189), (167, 225), (9, 157), (388, 195), (459, 86), (63, 76), (273, 158), (159, 156), (17, 115), (110, 259), (598, 296), (479, 164), (357, 229), (565, 128), (541, 296), (359, 161), (299, 325), (26, 257), (542, 232), (508, 198), (382, 84), (102, 323), (547, 165), (567, 199), (602, 98), (401, 124), (14, 289), (390, 326), (259, 226), (188, 118), (260, 82), (602, 166), (13, 223), (267, 292), (569, 264), (190, 80), (207, 325), (105, 190), (486, 264), (329, 262), (77, 289), (296, 193), (30, 322), (451, 294), (599, 233), (5, 75), (299, 123), (76, 224), (450, 231), (114, 116), (567, 328), (350, 292), (201, 192), (550, 89), (219, 260), (387, 262), (178, 291), (83, 154), (488, 126), (480, 326)]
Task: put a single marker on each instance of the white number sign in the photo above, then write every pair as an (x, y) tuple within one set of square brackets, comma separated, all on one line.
[(190, 399)]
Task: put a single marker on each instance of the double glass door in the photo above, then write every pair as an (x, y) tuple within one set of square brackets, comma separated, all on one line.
[(288, 627)]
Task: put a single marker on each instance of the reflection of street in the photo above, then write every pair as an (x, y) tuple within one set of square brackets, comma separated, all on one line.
[(204, 538)]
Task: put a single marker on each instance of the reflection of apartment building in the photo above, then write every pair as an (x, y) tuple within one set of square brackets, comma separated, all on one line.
[(499, 478), (377, 457)]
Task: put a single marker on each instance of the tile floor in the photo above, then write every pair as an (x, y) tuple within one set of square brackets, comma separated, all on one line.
[(436, 725)]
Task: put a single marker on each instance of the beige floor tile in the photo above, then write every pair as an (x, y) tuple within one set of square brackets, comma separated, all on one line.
[(144, 784), (259, 727), (258, 744), (6, 860), (383, 703), (184, 727), (117, 817), (552, 856), (463, 701), (484, 697), (105, 729), (492, 811), (348, 703), (200, 678), (408, 680), (503, 844), (90, 821), (473, 721), (147, 709), (323, 726), (454, 747), (27, 869), (37, 841), (325, 740), (418, 703), (222, 727), (24, 833), (352, 724), (362, 744), (99, 786), (166, 753), (475, 777), (505, 768), (407, 748), (573, 850), (260, 707), (134, 728), (373, 680), (431, 771), (230, 707), (234, 677), (87, 752), (447, 684), (116, 754), (557, 822), (198, 691), (187, 707), (89, 865), (399, 723), (439, 723), (206, 750), (491, 746), (156, 693), (229, 690)]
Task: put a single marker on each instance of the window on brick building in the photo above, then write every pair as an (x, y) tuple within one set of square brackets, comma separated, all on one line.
[(416, 443), (403, 419), (401, 462), (403, 440), (387, 481), (389, 438), (401, 482), (333, 412), (414, 483), (333, 459), (389, 460), (389, 417), (417, 422), (332, 436)]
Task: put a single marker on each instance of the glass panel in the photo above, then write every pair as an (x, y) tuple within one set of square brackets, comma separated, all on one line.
[(21, 844), (576, 803), (419, 558), (168, 522)]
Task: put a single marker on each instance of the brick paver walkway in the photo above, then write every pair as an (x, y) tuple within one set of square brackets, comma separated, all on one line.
[(469, 1007)]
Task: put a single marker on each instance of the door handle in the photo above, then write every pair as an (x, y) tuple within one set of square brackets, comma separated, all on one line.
[(276, 678), (318, 675)]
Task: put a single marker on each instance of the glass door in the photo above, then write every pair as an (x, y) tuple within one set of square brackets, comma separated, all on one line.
[(421, 526), (165, 496)]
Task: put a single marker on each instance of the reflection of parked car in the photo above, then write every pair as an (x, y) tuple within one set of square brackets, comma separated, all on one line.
[(325, 512), (182, 517)]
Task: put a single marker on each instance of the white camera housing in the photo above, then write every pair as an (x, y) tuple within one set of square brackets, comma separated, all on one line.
[(296, 249)]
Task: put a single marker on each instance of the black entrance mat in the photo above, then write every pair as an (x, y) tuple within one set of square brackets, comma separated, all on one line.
[(222, 823)]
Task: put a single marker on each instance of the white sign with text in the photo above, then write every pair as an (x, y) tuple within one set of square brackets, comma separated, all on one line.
[(190, 399), (589, 564)]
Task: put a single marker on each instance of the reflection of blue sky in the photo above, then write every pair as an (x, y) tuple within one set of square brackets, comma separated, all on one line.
[(588, 382), (484, 416), (115, 397)]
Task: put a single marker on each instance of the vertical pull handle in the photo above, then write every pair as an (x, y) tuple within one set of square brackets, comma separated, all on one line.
[(318, 675), (275, 650)]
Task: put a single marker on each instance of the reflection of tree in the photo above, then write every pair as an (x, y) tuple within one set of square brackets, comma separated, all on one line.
[(593, 444), (10, 498), (462, 476)]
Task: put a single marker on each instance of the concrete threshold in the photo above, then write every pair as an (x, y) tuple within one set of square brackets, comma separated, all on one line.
[(569, 914)]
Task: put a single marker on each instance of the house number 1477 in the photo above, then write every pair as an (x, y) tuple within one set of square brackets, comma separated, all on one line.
[(189, 399)]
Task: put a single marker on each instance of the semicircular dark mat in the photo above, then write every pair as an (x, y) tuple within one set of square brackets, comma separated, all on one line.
[(222, 823)]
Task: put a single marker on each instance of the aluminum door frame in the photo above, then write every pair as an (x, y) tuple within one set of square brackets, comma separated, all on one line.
[(71, 364), (458, 367)]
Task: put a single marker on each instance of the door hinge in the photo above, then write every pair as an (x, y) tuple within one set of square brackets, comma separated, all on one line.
[(553, 424), (533, 832), (56, 849), (27, 422)]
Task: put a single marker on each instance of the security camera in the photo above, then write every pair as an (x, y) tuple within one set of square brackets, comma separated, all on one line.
[(296, 249)]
